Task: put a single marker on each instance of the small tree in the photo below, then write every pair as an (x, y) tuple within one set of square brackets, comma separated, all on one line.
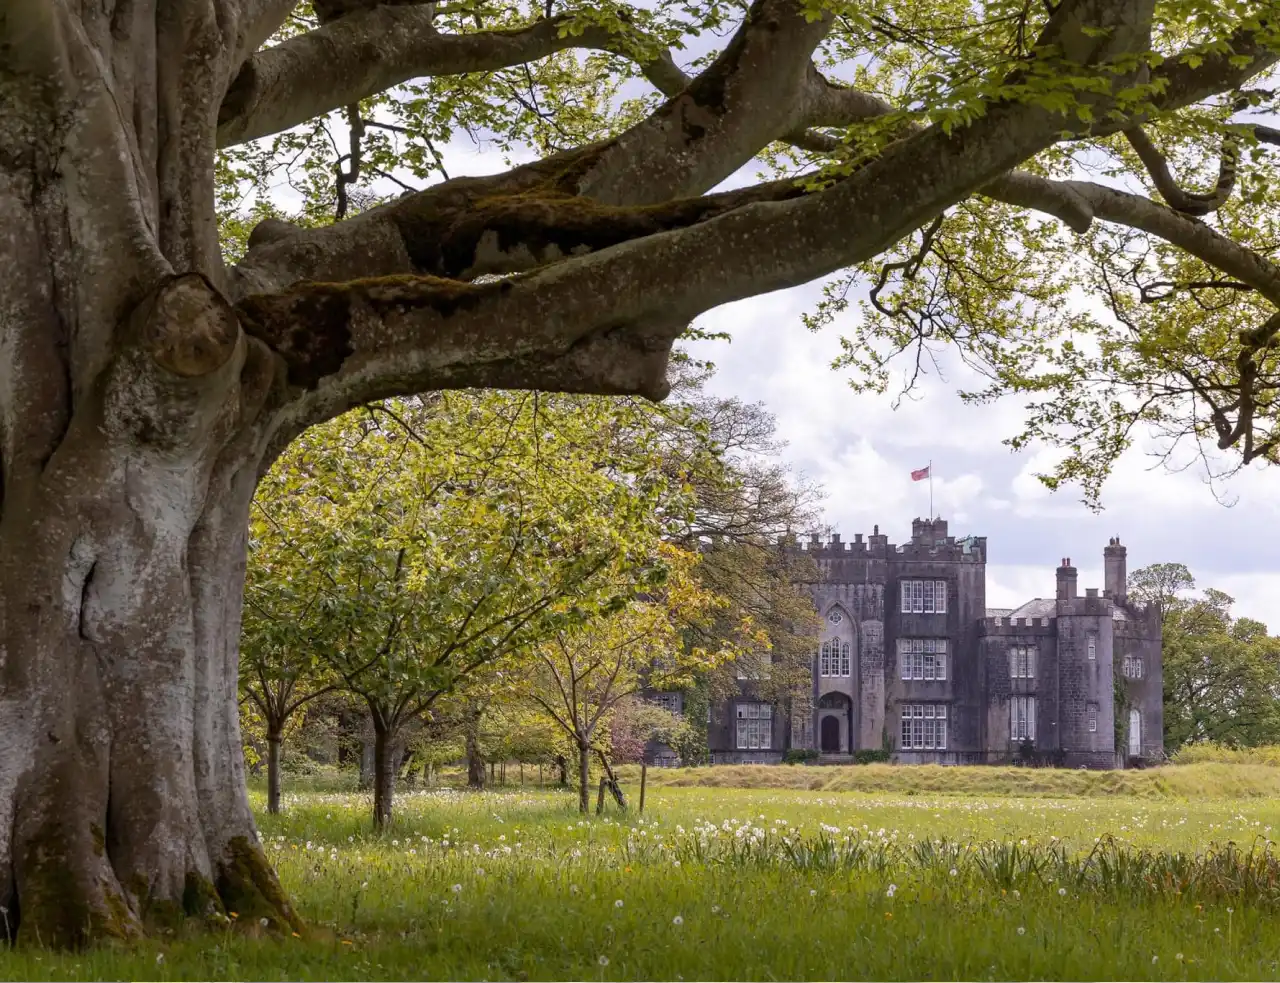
[(280, 671), (582, 676)]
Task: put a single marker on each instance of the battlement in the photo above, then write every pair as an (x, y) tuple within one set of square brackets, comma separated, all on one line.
[(1016, 626), (970, 549)]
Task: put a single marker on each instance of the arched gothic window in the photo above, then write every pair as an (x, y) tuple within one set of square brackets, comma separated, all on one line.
[(845, 667), (824, 666)]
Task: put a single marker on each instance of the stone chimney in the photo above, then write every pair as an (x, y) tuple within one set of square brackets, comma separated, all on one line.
[(1115, 571), (1066, 580)]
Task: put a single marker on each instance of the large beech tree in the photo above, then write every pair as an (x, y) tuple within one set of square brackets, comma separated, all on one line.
[(147, 383)]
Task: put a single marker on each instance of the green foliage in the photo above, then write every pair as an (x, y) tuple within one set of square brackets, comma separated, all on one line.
[(1221, 673), (800, 756), (413, 544)]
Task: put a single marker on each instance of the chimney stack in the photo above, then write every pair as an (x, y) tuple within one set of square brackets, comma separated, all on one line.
[(1066, 580), (1115, 571)]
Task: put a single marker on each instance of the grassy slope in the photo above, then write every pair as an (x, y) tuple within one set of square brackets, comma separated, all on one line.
[(1209, 780)]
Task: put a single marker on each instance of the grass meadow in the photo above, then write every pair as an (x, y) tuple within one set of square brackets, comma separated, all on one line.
[(879, 874)]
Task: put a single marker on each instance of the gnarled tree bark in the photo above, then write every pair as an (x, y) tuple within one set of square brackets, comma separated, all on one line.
[(146, 387)]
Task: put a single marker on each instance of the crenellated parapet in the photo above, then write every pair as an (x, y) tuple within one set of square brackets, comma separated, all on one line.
[(970, 549), (1016, 626)]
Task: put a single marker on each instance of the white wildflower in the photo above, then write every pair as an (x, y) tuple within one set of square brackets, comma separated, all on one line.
[(954, 872), (893, 889), (618, 903), (1021, 930), (1062, 892), (457, 888), (677, 920), (603, 960)]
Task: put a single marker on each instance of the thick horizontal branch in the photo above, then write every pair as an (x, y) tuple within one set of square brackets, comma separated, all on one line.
[(371, 50), (354, 342)]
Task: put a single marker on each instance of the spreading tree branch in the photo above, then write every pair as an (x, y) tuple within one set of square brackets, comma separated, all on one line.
[(370, 50)]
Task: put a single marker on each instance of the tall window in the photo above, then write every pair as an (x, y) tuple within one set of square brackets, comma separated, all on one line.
[(924, 596), (923, 658), (1093, 646), (1135, 733), (1133, 666), (755, 726), (1022, 718), (1091, 714), (1022, 662), (924, 727), (835, 659)]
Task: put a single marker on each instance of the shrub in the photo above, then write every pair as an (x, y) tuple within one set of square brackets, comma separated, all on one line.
[(800, 756), (870, 756)]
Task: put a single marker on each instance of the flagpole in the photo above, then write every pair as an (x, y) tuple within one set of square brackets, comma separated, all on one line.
[(930, 489)]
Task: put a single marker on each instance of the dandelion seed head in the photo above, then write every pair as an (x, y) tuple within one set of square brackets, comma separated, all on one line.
[(618, 903), (1021, 930), (457, 888), (603, 960), (677, 920)]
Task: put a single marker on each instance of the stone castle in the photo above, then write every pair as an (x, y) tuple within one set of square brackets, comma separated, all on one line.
[(914, 663)]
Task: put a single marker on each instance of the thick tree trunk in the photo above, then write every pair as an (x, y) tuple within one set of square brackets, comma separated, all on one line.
[(584, 777), (130, 448), (122, 794), (384, 775), (274, 741)]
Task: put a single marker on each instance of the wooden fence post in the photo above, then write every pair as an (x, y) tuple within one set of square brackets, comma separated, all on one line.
[(644, 770)]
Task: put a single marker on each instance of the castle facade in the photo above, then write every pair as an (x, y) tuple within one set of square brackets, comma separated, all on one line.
[(913, 662)]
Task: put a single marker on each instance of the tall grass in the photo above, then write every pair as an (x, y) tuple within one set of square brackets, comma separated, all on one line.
[(747, 884)]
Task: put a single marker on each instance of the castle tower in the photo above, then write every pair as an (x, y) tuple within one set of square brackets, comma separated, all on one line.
[(1115, 577), (1086, 681), (1066, 581)]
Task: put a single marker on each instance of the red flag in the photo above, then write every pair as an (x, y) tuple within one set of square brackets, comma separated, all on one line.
[(921, 474)]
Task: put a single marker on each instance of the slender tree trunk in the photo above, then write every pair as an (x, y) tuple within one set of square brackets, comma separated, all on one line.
[(584, 777), (384, 775), (475, 763), (274, 741)]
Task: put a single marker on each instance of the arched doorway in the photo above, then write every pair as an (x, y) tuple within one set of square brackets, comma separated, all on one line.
[(830, 737), (834, 723)]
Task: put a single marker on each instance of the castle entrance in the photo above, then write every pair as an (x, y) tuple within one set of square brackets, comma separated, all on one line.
[(835, 719), (830, 735)]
